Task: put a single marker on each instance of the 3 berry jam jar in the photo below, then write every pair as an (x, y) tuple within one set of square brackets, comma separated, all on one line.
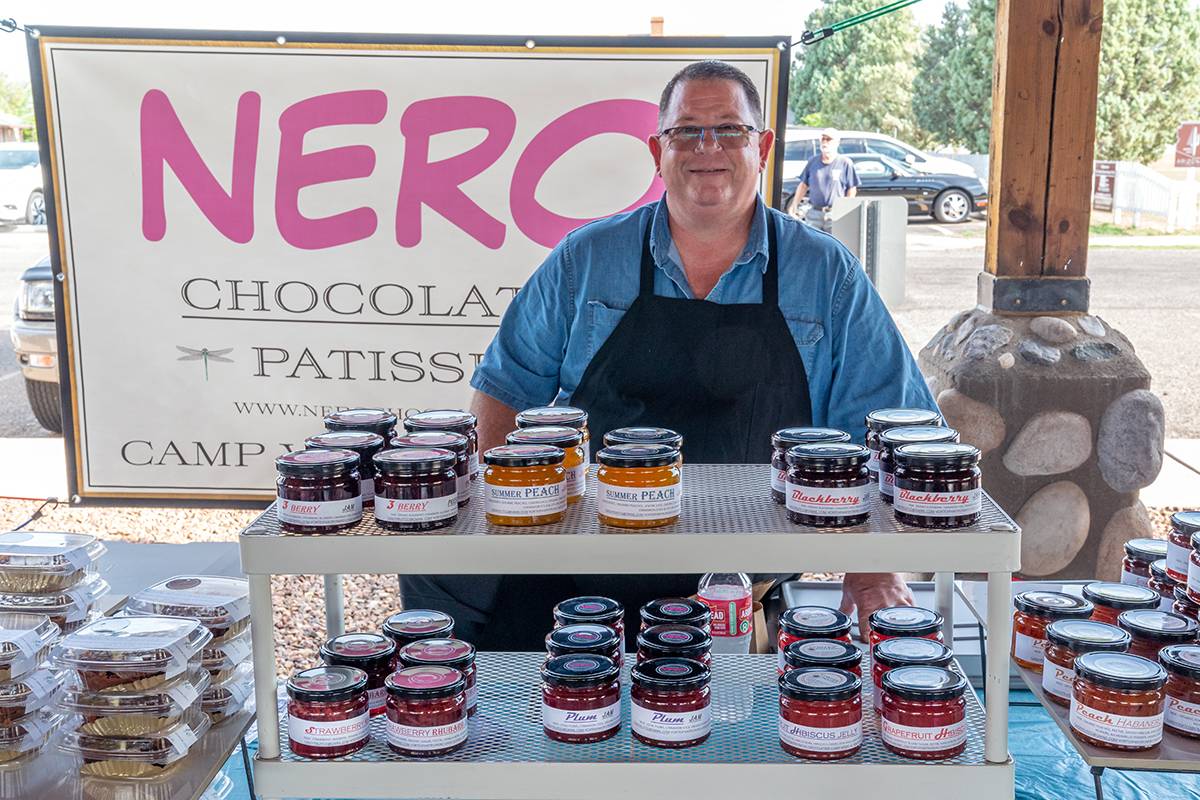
[(820, 713), (1152, 630), (904, 622), (596, 610), (670, 702), (678, 641), (447, 653), (405, 627), (1118, 701), (1068, 639), (584, 639), (443, 440), (889, 440), (370, 652), (365, 443), (827, 484), (924, 713), (1182, 713), (1161, 582), (1139, 555), (895, 653), (426, 711), (828, 653), (786, 439), (1110, 599), (566, 416), (676, 611), (524, 485), (810, 622), (937, 485), (328, 712), (372, 420), (1034, 611), (581, 698), (1179, 543), (638, 486), (885, 419), (453, 420), (318, 491), (417, 489), (570, 441)]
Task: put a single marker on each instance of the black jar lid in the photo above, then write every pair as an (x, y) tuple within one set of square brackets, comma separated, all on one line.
[(362, 650), (819, 684), (567, 416), (316, 463), (426, 682), (676, 611), (555, 435), (415, 461), (418, 623), (376, 420), (1087, 636), (823, 653), (644, 435), (885, 418), (686, 641), (671, 673), (790, 437), (1186, 521), (1158, 572), (442, 440), (924, 683), (905, 621), (909, 652), (579, 671), (1181, 596), (600, 610), (828, 455), (330, 684), (364, 443), (524, 455), (1120, 671), (1058, 605), (1159, 626), (814, 622), (1124, 596), (447, 652), (1146, 549), (938, 455), (441, 419), (582, 637), (1196, 540), (917, 434), (638, 455), (1181, 659)]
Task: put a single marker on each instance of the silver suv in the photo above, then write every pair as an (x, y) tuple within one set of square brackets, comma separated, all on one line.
[(35, 343)]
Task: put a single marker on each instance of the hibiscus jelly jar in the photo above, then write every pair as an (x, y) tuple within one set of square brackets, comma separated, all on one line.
[(670, 702), (885, 419), (905, 622), (638, 486), (828, 653), (581, 698), (1139, 555), (1034, 611), (447, 653), (584, 639), (417, 489), (820, 713), (937, 485), (1066, 640), (596, 610), (787, 438), (676, 611), (889, 440), (1118, 701), (1179, 543), (678, 641), (1110, 599), (415, 624), (372, 420), (1152, 630), (1161, 582), (570, 441), (809, 622), (328, 712), (426, 711), (895, 653), (453, 420), (318, 491), (443, 440), (524, 485), (370, 652), (828, 484), (1181, 715), (365, 443), (924, 713), (565, 416)]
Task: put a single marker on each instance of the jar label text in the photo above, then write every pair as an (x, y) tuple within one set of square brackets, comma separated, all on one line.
[(1056, 680), (321, 733), (1117, 729), (462, 484), (849, 501), (1129, 579), (639, 503), (473, 463), (923, 740), (525, 501), (938, 504), (730, 616), (577, 480), (377, 699), (821, 740), (436, 737), (1182, 715), (1027, 648), (1178, 558), (873, 460), (581, 721), (368, 489), (887, 483), (1193, 580), (778, 479), (671, 726), (327, 512), (429, 509)]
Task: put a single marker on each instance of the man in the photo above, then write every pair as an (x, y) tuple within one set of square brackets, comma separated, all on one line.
[(826, 177), (705, 312)]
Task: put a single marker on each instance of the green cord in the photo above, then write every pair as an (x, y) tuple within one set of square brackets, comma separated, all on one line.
[(812, 37)]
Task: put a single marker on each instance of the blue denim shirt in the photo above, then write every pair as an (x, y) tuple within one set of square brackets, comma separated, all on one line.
[(854, 356)]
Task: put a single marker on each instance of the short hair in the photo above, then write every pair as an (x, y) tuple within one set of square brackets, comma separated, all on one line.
[(712, 70)]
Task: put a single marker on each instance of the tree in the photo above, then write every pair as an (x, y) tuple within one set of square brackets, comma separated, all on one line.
[(933, 103), (954, 74)]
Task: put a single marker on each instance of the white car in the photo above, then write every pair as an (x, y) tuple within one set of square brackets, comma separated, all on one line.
[(22, 198), (801, 144)]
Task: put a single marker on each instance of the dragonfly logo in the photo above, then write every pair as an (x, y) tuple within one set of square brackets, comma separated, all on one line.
[(205, 355)]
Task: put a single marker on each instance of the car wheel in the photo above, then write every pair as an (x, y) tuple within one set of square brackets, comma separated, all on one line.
[(35, 208), (952, 205), (46, 403)]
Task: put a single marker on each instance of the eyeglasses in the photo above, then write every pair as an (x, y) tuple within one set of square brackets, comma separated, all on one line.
[(690, 137)]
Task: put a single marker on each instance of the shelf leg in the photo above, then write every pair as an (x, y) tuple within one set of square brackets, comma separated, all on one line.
[(1097, 773), (335, 612), (999, 631), (262, 639), (248, 767), (943, 592)]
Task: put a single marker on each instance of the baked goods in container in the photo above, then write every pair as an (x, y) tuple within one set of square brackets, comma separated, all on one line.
[(28, 693), (26, 735), (64, 607), (25, 641), (135, 712), (45, 561), (136, 756), (221, 604), (224, 699), (133, 653)]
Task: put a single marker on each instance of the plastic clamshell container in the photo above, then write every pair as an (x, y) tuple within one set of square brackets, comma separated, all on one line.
[(27, 734), (136, 756), (220, 603), (25, 640), (44, 561), (171, 699), (132, 646), (224, 699), (228, 654), (29, 693), (63, 607)]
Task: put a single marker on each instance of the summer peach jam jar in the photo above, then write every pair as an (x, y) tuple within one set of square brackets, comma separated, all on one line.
[(1034, 611), (328, 712), (446, 419), (570, 441), (1110, 599), (1066, 640), (1179, 543), (1118, 701), (365, 443), (889, 440), (924, 713), (1182, 714), (581, 698), (827, 484), (885, 419), (318, 491), (566, 416), (1139, 555), (638, 486), (426, 711), (417, 489), (670, 702), (443, 440), (786, 439), (645, 435), (937, 485), (524, 484), (820, 713)]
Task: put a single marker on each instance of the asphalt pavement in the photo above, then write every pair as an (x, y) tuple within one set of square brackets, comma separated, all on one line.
[(20, 248)]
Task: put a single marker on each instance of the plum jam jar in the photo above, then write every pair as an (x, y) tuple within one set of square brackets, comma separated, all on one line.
[(895, 653), (937, 485), (372, 420), (828, 484), (524, 485), (584, 639), (1118, 701), (1068, 639), (417, 489), (328, 712), (678, 641), (1139, 555), (889, 440), (365, 443), (904, 622), (1179, 543), (453, 420), (809, 622), (1184, 605), (415, 624), (787, 438), (1111, 599), (565, 416), (596, 610), (426, 711), (318, 491), (370, 652), (828, 653), (1034, 611), (676, 611), (570, 441), (1152, 630), (638, 486), (670, 702), (885, 419), (1181, 715), (924, 713), (1161, 582), (447, 653), (820, 713), (443, 440), (581, 698)]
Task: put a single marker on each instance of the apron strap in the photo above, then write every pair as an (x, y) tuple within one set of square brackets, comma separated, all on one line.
[(770, 289), (646, 287)]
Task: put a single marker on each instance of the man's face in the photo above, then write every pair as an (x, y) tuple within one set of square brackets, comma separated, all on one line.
[(829, 148), (708, 176)]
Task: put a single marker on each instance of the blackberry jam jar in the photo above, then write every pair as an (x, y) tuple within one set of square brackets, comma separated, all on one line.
[(828, 653), (670, 702), (581, 698), (904, 622), (524, 485), (453, 420), (1034, 611), (372, 420), (786, 439), (1161, 582), (370, 652), (584, 639), (443, 440), (1110, 599), (365, 443), (1118, 701), (1181, 715), (565, 416), (678, 641), (1179, 543), (596, 610), (889, 440), (827, 484), (1139, 555), (638, 486), (417, 489), (809, 622), (894, 653), (885, 419), (413, 625), (328, 712), (447, 653), (1068, 639), (924, 713), (426, 711), (318, 491), (676, 611), (937, 485), (820, 713), (1152, 630), (570, 441)]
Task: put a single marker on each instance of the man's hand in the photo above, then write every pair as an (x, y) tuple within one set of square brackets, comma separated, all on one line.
[(871, 591)]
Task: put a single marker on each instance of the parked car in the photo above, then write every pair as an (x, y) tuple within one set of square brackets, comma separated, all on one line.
[(35, 344), (22, 198), (801, 144), (948, 198)]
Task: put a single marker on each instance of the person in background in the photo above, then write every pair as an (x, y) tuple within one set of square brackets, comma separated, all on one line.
[(826, 177)]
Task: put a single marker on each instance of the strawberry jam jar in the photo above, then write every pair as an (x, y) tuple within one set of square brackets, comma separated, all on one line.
[(809, 622), (1110, 599), (365, 443), (1118, 701), (318, 491), (584, 639), (1179, 543), (370, 652), (372, 420), (328, 712), (895, 653), (1152, 630), (670, 702), (1139, 555), (426, 711), (786, 439), (1161, 582), (581, 698), (679, 641), (447, 653), (676, 611), (904, 622), (415, 624), (937, 485), (1034, 611), (417, 490), (885, 419), (1182, 713), (828, 484), (596, 610), (924, 713), (1068, 639), (889, 440), (443, 440), (827, 653), (820, 713)]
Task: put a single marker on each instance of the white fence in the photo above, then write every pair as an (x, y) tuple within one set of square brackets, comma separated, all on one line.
[(1139, 190)]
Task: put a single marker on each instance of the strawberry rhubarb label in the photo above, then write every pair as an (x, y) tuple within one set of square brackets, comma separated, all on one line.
[(847, 501), (938, 504)]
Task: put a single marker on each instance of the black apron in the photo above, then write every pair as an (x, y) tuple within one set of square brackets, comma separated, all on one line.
[(725, 376)]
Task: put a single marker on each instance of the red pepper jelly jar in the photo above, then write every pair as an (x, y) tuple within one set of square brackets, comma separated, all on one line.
[(417, 490), (328, 712), (679, 641), (443, 440), (677, 611), (904, 622), (584, 639), (889, 440), (415, 624), (373, 420), (924, 713), (596, 610), (447, 653), (370, 652), (364, 443), (809, 622), (1182, 713), (828, 653), (1179, 543), (453, 420), (1110, 599), (895, 653), (1152, 630), (820, 713), (1118, 701), (828, 484), (786, 439), (318, 491), (1068, 639), (885, 419), (581, 698), (670, 702), (1034, 611), (1139, 555), (937, 485), (426, 711), (1161, 582)]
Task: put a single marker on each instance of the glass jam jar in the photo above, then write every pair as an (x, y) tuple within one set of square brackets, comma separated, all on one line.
[(885, 419), (670, 702), (585, 639), (369, 652), (937, 485), (443, 440), (415, 624), (1161, 582), (1118, 701), (924, 713), (1110, 599), (1139, 555), (646, 435), (674, 641), (524, 485), (1179, 543), (786, 439), (365, 443), (1152, 630), (638, 486), (417, 489), (426, 711), (318, 491), (1034, 611), (373, 420), (895, 653), (1193, 577), (566, 416), (904, 622), (828, 653), (328, 712), (809, 622), (1068, 639), (570, 441), (676, 611), (1181, 715), (447, 653), (581, 699), (890, 439), (820, 713), (827, 484), (596, 610), (453, 420), (1184, 605)]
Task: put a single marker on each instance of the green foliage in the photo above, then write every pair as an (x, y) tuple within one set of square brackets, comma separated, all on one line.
[(954, 73), (16, 99)]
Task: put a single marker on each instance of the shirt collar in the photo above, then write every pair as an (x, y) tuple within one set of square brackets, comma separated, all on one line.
[(666, 255)]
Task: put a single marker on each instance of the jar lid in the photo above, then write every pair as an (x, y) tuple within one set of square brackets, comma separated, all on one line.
[(686, 641), (361, 442), (1181, 596), (944, 455), (1120, 671), (524, 455), (644, 435), (556, 435), (1058, 605), (582, 637), (1181, 659), (602, 610), (425, 682), (638, 455), (579, 671), (1146, 549), (328, 684), (823, 653), (442, 440), (1086, 636), (790, 437), (828, 455), (448, 652), (1158, 572), (1186, 521), (377, 420), (814, 622), (316, 463), (1159, 626), (905, 621), (908, 652), (885, 418), (568, 416), (1121, 595), (916, 434), (357, 650), (441, 419), (676, 611), (415, 461), (820, 684), (671, 673), (418, 623), (924, 683)]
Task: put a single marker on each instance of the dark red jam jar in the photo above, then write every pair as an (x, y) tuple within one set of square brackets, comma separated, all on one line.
[(1182, 713), (889, 440), (1179, 543), (1066, 640), (444, 440), (365, 443), (1034, 611), (328, 712), (1118, 701), (670, 702), (596, 610), (786, 439), (426, 711), (809, 622), (677, 611), (417, 490), (679, 641), (820, 713), (370, 652), (1139, 555), (581, 698), (372, 420), (415, 624), (828, 484), (1110, 599), (447, 653), (1152, 630), (895, 653), (885, 419), (584, 639), (924, 713), (452, 420), (828, 653), (1184, 605), (1161, 582), (318, 491), (904, 622), (937, 485)]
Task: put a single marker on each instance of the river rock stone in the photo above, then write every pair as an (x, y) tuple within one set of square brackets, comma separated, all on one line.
[(1050, 443), (1131, 522), (1054, 526), (1007, 360), (1054, 330), (977, 423), (1036, 353), (1092, 326), (1130, 445), (986, 340), (1095, 351)]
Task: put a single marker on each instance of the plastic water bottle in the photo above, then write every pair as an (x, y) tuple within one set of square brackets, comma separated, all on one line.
[(728, 595)]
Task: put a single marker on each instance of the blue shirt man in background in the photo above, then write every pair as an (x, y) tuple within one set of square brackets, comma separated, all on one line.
[(826, 177)]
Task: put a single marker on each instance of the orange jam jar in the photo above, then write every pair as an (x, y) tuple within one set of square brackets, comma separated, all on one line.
[(524, 484), (1118, 701), (1034, 611), (564, 416), (645, 435), (638, 485), (1152, 630), (570, 441), (1066, 640), (1182, 714), (1110, 599)]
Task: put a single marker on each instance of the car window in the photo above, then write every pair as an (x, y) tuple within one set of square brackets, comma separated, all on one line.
[(870, 167), (15, 159), (887, 149), (852, 146), (800, 150)]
